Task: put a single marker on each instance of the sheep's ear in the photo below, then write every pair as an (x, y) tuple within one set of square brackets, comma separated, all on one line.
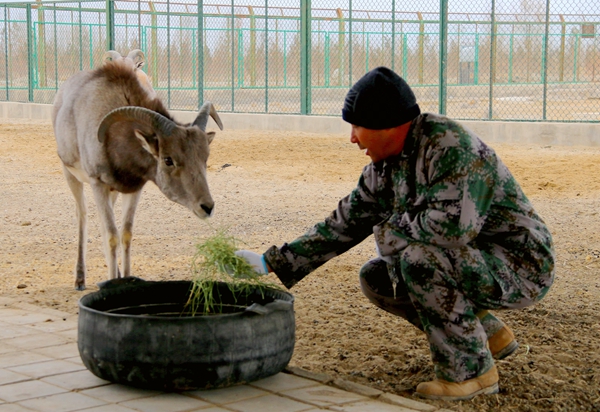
[(149, 142), (139, 65), (210, 136)]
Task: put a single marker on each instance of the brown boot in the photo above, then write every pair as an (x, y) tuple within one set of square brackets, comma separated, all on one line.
[(503, 344), (459, 391)]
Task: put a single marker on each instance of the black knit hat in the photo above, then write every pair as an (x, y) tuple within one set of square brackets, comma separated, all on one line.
[(380, 100)]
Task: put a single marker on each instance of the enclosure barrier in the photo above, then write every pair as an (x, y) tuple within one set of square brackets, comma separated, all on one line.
[(530, 60)]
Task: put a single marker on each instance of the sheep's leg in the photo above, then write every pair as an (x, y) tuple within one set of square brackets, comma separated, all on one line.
[(104, 202), (112, 197), (77, 188), (130, 202)]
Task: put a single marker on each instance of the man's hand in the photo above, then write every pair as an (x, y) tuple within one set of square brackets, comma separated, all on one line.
[(255, 260)]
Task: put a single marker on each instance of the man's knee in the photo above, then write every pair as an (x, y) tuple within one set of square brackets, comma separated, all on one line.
[(374, 278), (378, 288), (421, 254)]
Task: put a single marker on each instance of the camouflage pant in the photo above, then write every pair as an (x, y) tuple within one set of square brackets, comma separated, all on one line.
[(445, 302)]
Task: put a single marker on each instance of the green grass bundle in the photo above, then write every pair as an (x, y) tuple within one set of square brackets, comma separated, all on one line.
[(215, 261)]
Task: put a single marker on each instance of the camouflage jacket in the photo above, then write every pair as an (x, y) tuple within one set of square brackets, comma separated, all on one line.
[(446, 188)]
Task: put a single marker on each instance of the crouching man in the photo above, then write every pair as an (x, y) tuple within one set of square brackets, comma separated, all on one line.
[(456, 235)]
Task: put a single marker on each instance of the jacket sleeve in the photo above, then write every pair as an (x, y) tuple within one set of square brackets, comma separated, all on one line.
[(454, 193), (349, 224)]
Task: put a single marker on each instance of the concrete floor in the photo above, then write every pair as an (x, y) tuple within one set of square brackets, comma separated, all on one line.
[(40, 370)]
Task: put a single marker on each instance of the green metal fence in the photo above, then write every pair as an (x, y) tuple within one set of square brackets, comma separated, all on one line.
[(534, 60)]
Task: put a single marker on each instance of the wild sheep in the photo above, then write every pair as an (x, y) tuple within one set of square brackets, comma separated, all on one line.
[(115, 135)]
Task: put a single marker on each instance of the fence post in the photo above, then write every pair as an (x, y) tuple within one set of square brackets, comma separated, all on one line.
[(110, 24), (232, 55), (492, 62), (545, 62), (252, 51), (29, 54), (305, 45), (200, 53), (80, 37), (154, 46), (55, 51), (168, 17), (341, 45), (421, 51), (393, 34), (6, 54), (266, 56), (443, 54), (561, 57), (41, 52), (350, 43)]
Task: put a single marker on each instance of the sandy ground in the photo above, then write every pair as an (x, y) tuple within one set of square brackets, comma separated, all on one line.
[(269, 188)]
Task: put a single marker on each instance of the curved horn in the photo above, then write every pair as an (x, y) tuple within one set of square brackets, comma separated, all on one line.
[(137, 56), (202, 118), (110, 56), (155, 120)]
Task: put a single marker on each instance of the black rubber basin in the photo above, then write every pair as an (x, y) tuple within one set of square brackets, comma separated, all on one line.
[(138, 333)]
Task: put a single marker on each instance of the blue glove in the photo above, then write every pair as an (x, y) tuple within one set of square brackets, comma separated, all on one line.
[(257, 261)]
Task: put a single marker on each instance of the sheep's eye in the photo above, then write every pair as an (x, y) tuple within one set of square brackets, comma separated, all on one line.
[(168, 161)]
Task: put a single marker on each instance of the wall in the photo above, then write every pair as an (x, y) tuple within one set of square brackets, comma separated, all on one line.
[(547, 134)]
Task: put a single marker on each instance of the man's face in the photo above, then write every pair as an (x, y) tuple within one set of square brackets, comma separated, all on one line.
[(377, 143)]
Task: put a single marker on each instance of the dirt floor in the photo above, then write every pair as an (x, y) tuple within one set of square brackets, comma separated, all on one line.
[(270, 187)]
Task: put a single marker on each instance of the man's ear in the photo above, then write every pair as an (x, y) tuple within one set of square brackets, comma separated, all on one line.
[(149, 142)]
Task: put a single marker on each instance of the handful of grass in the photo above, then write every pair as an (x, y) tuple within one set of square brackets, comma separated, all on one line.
[(215, 261)]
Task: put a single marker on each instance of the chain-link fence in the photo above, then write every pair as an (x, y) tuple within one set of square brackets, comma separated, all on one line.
[(489, 60)]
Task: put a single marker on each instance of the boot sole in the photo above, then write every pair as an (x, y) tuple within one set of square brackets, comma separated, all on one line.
[(507, 351), (485, 391)]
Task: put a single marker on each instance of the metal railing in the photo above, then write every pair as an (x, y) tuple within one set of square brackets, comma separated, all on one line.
[(538, 64)]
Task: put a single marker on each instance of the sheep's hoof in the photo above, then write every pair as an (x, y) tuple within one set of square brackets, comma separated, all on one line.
[(80, 287)]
